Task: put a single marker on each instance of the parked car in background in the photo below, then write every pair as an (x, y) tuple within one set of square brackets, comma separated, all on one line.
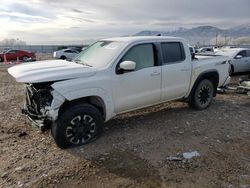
[(68, 54), (12, 55), (240, 59), (216, 48), (228, 47), (79, 49), (192, 51), (205, 50)]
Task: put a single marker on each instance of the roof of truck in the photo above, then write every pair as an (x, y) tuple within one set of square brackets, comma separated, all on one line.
[(142, 38)]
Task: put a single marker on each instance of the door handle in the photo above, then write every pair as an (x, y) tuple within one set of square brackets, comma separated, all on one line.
[(185, 69), (155, 74)]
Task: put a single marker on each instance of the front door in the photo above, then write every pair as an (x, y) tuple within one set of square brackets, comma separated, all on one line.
[(11, 55), (141, 87)]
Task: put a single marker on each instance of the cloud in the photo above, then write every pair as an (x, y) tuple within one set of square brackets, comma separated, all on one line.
[(52, 21), (14, 16)]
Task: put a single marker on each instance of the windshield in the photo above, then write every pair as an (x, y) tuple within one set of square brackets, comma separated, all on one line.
[(100, 53)]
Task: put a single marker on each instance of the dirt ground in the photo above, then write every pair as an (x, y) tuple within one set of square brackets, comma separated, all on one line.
[(136, 149)]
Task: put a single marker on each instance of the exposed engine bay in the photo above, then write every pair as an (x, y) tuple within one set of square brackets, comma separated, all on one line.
[(38, 101)]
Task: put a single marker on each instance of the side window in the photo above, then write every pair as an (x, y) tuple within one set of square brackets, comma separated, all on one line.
[(12, 51), (243, 53), (69, 51), (142, 55), (172, 52)]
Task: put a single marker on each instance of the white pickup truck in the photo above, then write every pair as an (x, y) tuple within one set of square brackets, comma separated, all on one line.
[(114, 76)]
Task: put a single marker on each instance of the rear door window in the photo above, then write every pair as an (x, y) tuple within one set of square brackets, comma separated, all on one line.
[(173, 52), (12, 51)]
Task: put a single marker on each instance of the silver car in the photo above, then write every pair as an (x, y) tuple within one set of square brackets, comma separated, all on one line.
[(240, 59), (68, 54)]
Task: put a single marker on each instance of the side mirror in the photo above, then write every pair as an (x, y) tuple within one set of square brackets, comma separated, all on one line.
[(127, 66), (238, 57)]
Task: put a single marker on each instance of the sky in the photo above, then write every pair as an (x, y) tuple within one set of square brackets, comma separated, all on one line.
[(77, 21)]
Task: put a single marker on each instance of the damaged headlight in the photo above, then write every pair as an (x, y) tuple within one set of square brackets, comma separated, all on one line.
[(38, 96)]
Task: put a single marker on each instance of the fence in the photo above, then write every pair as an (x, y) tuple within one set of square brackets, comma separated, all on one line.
[(39, 48), (238, 46)]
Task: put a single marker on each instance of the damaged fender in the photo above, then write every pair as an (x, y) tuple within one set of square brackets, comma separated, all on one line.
[(78, 93)]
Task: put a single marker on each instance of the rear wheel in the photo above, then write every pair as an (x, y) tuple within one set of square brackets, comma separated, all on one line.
[(25, 58), (77, 126), (63, 57), (202, 95), (1, 59)]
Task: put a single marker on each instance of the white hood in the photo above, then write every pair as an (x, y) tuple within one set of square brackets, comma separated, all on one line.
[(46, 71)]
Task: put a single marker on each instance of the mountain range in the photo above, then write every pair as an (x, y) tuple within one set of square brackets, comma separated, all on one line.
[(203, 34)]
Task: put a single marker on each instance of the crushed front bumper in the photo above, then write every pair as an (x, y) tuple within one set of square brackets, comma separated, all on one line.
[(38, 121)]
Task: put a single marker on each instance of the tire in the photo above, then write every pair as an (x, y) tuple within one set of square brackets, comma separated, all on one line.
[(63, 57), (1, 59), (202, 95), (25, 58), (76, 126)]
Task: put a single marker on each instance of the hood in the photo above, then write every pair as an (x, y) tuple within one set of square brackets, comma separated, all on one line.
[(46, 71)]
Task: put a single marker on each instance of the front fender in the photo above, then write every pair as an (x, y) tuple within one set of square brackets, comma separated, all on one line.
[(81, 93)]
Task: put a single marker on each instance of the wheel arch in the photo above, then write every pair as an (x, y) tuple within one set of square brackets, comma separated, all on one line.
[(96, 101), (63, 56), (211, 75)]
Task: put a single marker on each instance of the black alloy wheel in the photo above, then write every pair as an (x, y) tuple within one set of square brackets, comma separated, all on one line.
[(77, 125), (202, 95)]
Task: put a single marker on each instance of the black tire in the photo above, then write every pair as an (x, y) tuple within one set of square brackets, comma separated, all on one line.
[(202, 95), (78, 125), (63, 57), (1, 59), (25, 58)]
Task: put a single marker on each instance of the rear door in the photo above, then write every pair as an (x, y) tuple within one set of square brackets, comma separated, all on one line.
[(176, 70)]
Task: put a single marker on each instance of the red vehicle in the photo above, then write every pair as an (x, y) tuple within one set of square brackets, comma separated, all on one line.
[(14, 54)]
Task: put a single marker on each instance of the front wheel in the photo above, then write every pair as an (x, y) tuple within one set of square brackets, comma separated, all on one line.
[(78, 125), (202, 95)]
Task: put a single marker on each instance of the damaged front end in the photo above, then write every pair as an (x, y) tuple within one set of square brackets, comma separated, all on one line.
[(42, 104)]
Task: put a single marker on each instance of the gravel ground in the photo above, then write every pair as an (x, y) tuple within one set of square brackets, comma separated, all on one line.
[(139, 149)]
